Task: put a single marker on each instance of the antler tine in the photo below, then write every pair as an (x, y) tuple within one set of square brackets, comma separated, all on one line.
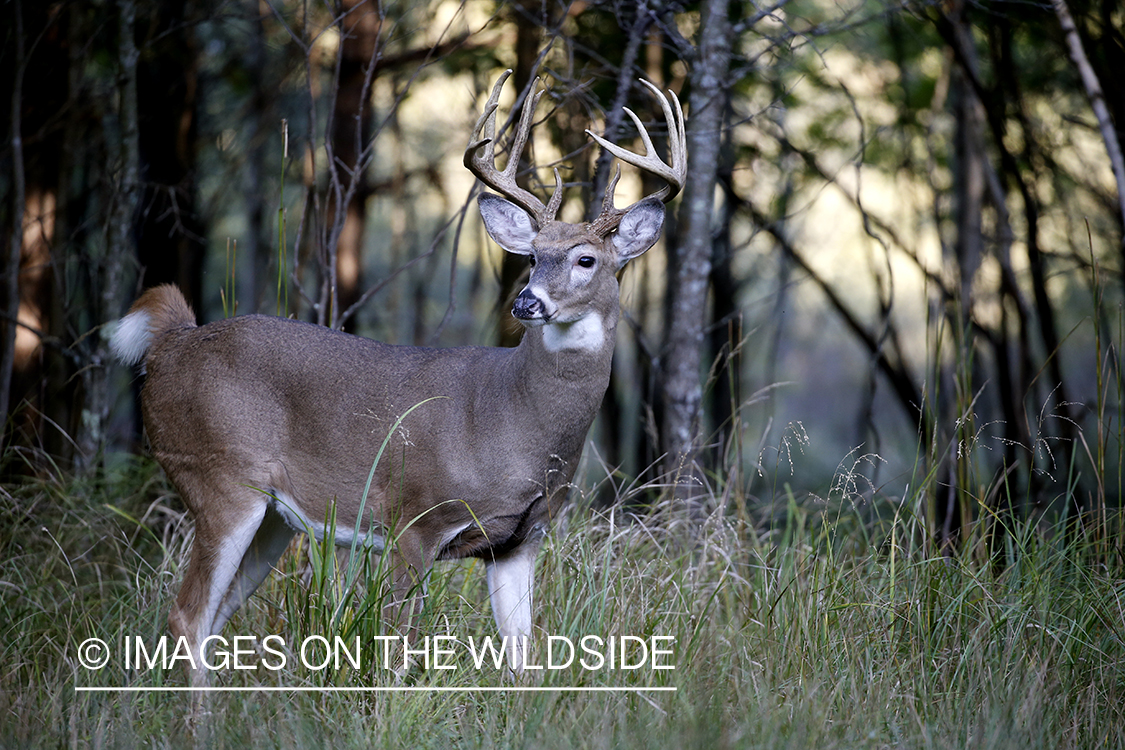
[(482, 163), (674, 174)]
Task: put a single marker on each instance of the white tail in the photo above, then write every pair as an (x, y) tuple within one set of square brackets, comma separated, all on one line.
[(262, 423)]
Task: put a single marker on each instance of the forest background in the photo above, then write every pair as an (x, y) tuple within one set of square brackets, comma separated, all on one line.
[(913, 245)]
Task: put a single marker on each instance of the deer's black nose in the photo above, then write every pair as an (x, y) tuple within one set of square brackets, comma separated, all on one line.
[(527, 306)]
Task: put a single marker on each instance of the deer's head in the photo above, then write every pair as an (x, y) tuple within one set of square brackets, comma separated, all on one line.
[(574, 266)]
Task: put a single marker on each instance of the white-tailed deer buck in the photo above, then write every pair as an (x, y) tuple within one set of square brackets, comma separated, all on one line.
[(262, 423)]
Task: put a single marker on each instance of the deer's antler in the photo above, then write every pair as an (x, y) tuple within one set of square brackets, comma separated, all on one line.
[(674, 174), (480, 156)]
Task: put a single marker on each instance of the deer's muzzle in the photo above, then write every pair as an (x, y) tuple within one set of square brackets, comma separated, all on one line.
[(528, 306)]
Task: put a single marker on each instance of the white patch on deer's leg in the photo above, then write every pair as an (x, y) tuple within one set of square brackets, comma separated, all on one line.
[(344, 535), (228, 562), (266, 548), (509, 587), (586, 333), (213, 565)]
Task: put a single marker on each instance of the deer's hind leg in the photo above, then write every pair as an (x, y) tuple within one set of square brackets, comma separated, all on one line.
[(267, 546), (223, 538)]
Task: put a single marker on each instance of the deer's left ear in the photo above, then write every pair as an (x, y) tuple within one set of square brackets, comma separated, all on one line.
[(639, 230), (507, 223)]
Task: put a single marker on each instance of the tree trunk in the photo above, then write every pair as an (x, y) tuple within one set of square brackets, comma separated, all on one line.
[(690, 261), (40, 90), (957, 420), (1097, 98), (108, 300), (351, 134), (514, 268), (726, 337), (11, 293), (170, 243), (257, 250)]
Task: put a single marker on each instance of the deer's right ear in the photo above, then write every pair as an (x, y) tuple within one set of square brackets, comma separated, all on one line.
[(507, 223)]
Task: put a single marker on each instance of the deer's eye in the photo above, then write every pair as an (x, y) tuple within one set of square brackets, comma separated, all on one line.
[(531, 260), (587, 261)]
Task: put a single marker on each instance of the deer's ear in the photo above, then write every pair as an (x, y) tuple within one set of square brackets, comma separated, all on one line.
[(639, 230), (507, 223)]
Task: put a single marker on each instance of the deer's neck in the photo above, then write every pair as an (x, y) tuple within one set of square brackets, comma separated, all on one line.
[(568, 364)]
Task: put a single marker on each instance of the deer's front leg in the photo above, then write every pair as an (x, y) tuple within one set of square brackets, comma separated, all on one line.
[(510, 582)]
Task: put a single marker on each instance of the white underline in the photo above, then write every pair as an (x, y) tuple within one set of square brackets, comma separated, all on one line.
[(374, 689)]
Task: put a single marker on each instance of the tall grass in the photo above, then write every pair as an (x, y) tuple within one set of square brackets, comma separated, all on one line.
[(827, 625)]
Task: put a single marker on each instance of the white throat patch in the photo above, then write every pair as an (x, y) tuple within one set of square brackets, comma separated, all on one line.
[(585, 333)]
